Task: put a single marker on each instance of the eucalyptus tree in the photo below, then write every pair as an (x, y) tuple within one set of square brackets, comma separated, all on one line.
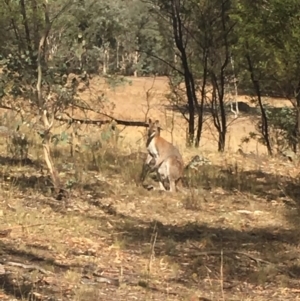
[(268, 49)]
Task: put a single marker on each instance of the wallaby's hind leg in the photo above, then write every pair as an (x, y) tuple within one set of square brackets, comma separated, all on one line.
[(162, 187), (145, 172), (172, 186), (175, 173), (161, 182), (162, 175), (150, 161)]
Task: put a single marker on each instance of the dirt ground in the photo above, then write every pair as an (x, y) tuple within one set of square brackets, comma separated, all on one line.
[(231, 234)]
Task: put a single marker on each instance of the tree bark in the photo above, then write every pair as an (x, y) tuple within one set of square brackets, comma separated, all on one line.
[(264, 119), (41, 103), (188, 76), (25, 23), (203, 95)]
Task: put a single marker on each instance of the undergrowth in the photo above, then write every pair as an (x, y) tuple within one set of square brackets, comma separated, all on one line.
[(230, 234)]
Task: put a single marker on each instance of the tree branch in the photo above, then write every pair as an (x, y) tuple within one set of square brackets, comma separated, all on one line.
[(71, 120)]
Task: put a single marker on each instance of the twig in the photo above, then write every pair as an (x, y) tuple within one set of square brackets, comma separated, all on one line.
[(221, 275)]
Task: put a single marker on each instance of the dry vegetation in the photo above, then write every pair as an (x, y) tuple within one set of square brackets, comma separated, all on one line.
[(233, 235)]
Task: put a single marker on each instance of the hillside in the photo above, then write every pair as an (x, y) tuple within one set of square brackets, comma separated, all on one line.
[(233, 235)]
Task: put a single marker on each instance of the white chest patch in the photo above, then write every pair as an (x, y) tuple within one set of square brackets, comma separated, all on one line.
[(152, 149)]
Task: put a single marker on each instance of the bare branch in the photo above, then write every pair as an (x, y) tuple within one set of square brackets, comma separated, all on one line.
[(101, 122)]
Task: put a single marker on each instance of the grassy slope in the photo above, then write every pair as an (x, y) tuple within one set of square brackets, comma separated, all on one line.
[(232, 236)]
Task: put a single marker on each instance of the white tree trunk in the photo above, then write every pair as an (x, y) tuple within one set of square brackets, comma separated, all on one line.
[(136, 60)]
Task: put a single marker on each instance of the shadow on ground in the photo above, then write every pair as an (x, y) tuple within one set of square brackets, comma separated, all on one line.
[(254, 256), (193, 250), (24, 182), (19, 178), (22, 285), (283, 190), (255, 182)]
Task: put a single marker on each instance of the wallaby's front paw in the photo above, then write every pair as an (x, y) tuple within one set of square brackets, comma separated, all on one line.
[(150, 187)]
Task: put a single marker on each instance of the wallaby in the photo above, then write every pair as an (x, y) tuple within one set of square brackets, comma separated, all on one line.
[(163, 157)]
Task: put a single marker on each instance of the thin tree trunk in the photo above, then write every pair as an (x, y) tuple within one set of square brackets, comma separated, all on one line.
[(236, 111), (118, 62), (188, 76), (136, 60), (264, 119), (25, 23), (41, 103), (297, 121), (219, 121), (105, 62), (175, 55), (15, 27), (36, 35), (203, 95)]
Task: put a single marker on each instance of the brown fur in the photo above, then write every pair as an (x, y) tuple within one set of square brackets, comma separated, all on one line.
[(168, 161)]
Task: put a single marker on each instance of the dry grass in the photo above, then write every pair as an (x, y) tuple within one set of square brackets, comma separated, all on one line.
[(232, 235)]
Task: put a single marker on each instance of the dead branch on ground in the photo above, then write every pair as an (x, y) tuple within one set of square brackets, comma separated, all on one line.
[(26, 266)]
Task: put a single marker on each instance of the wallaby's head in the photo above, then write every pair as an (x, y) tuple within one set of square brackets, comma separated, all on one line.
[(154, 128)]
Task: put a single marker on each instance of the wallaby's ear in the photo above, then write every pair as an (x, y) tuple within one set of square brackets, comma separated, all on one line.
[(149, 121), (157, 124)]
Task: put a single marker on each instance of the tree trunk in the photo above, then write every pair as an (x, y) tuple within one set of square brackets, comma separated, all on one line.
[(25, 23), (236, 111), (41, 104), (264, 119), (105, 63), (219, 121), (49, 162), (222, 133), (136, 60), (221, 141), (188, 76), (175, 55), (296, 132), (118, 62), (203, 96), (36, 37)]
